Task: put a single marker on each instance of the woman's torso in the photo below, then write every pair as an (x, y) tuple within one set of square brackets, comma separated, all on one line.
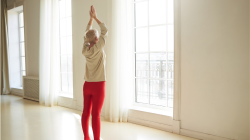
[(95, 66)]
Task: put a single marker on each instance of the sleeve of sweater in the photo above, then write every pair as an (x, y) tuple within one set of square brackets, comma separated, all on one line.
[(102, 39), (86, 44)]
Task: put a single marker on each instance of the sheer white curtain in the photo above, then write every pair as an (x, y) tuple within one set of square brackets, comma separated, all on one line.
[(120, 67), (49, 53)]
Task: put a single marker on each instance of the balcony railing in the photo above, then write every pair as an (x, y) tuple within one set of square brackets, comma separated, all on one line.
[(158, 88)]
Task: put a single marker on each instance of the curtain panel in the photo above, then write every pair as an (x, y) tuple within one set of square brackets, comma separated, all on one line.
[(49, 53), (120, 54), (5, 85)]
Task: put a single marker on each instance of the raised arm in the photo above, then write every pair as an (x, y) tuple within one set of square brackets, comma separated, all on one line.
[(104, 31), (89, 26)]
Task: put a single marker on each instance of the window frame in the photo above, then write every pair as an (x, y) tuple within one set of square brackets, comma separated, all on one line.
[(20, 48), (148, 52), (61, 92)]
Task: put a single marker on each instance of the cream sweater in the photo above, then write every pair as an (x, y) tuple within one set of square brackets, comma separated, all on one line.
[(95, 57)]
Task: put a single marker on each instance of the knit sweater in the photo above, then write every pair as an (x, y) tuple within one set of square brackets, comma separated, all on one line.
[(95, 69)]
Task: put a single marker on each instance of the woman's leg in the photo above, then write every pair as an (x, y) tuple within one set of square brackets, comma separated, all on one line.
[(86, 110), (98, 99)]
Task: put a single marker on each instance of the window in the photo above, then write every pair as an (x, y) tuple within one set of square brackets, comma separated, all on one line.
[(16, 47), (154, 52), (21, 45), (65, 21)]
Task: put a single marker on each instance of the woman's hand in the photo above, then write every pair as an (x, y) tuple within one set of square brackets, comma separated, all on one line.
[(91, 16), (92, 12)]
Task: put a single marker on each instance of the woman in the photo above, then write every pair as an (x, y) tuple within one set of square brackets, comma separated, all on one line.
[(95, 75)]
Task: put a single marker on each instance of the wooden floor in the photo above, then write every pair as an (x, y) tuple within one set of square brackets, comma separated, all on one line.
[(23, 119)]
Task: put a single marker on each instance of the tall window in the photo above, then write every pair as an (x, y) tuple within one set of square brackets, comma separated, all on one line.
[(154, 52), (21, 45), (65, 21)]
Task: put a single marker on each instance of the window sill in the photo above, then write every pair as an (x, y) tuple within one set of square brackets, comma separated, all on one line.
[(66, 95), (153, 110), (17, 87)]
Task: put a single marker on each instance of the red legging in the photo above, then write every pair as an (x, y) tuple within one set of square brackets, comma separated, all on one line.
[(93, 93)]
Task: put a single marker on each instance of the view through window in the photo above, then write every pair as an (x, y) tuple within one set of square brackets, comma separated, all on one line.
[(21, 45), (154, 52), (66, 62)]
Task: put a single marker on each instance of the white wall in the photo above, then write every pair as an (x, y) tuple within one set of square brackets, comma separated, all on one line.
[(215, 67), (31, 30), (10, 3), (14, 3), (13, 50)]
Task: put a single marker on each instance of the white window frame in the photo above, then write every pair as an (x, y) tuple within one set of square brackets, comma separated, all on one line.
[(63, 93), (148, 105), (20, 48)]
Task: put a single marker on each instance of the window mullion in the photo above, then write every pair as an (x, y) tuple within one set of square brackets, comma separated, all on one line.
[(65, 17), (148, 59), (152, 25), (67, 72), (167, 54), (139, 1), (20, 60)]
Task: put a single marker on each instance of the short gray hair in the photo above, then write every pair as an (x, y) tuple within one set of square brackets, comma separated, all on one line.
[(91, 34)]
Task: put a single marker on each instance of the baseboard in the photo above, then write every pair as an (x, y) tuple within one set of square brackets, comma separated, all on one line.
[(66, 105), (67, 102), (199, 135), (33, 99), (79, 108), (17, 94), (151, 124), (176, 129)]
